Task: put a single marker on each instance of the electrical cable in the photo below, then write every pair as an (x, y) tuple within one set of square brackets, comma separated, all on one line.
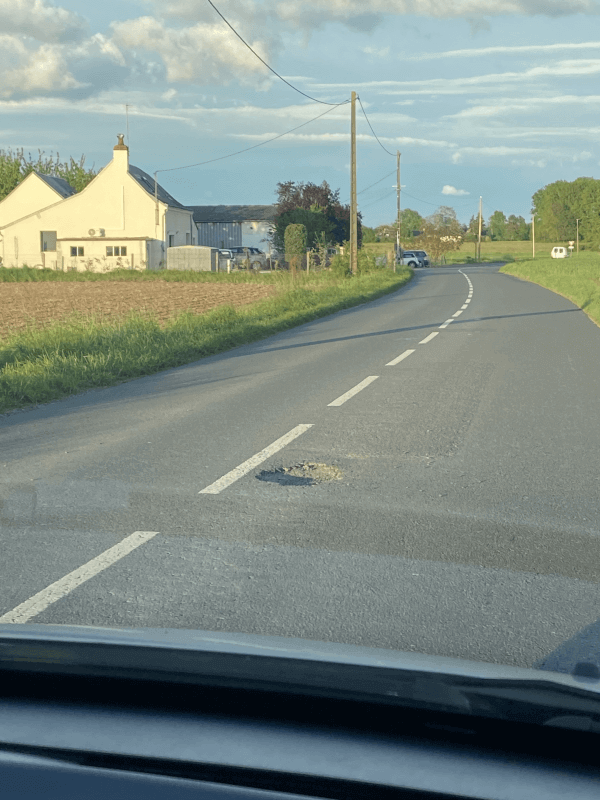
[(271, 68), (370, 126), (245, 150), (427, 202), (384, 197), (376, 182)]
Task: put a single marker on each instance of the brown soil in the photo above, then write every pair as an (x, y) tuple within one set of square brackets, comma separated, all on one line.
[(23, 304)]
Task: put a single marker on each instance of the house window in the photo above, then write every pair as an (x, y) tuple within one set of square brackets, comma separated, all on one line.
[(116, 251), (187, 238), (77, 251), (109, 251), (171, 240), (47, 241)]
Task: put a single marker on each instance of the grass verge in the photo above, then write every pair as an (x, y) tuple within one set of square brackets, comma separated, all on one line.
[(71, 356), (576, 278)]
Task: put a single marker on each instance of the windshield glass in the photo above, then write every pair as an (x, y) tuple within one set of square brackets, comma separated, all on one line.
[(227, 403)]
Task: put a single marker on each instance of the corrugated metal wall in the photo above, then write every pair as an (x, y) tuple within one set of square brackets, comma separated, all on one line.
[(220, 234)]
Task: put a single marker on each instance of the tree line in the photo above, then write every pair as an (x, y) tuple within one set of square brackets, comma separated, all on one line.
[(555, 208), (15, 166)]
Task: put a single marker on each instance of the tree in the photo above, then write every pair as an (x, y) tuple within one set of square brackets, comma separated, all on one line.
[(443, 216), (471, 231), (410, 221), (517, 230), (497, 226), (328, 214), (441, 234), (557, 207), (369, 235), (14, 167)]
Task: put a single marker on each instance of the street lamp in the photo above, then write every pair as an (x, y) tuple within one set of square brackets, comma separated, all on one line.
[(578, 221)]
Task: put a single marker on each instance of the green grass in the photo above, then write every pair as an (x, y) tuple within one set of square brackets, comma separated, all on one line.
[(25, 274), (71, 356), (490, 251), (501, 251), (576, 278)]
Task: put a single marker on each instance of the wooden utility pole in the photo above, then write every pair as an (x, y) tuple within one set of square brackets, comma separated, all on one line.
[(578, 221), (398, 236), (533, 233), (479, 236), (353, 217)]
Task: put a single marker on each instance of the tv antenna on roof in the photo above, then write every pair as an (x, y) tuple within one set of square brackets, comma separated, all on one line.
[(127, 122)]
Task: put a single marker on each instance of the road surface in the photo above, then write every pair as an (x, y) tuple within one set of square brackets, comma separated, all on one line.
[(458, 512)]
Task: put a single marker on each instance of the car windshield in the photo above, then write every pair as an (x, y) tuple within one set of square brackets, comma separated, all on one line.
[(311, 437)]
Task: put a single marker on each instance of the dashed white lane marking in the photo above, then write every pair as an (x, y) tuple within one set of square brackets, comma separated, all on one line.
[(457, 314), (399, 358), (253, 462), (445, 325), (429, 338), (40, 601), (466, 305), (351, 392)]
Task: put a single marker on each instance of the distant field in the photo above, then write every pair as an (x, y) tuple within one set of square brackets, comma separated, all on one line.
[(63, 333), (490, 251)]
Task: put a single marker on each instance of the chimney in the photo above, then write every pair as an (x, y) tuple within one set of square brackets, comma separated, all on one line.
[(121, 152)]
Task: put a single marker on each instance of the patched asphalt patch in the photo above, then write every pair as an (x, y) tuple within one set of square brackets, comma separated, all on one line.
[(308, 473)]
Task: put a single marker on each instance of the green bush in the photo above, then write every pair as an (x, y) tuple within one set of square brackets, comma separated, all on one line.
[(295, 245), (366, 262)]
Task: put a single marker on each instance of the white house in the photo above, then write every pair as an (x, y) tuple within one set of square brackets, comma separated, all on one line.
[(119, 219), (234, 226)]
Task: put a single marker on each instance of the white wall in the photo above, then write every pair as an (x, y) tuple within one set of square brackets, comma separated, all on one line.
[(255, 233)]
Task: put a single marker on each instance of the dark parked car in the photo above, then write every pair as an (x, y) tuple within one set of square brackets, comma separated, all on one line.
[(423, 255)]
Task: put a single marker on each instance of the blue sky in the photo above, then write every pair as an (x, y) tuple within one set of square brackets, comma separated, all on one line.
[(482, 97)]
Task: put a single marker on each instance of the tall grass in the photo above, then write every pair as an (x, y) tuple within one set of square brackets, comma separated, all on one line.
[(82, 352)]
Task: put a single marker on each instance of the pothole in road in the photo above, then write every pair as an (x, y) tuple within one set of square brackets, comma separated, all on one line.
[(308, 473)]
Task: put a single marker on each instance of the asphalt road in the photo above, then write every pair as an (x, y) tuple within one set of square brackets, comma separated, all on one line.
[(465, 522)]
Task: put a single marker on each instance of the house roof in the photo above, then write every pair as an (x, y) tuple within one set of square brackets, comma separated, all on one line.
[(59, 185), (147, 182), (233, 213)]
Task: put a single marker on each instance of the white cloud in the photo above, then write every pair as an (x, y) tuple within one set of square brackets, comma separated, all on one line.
[(40, 21), (454, 191), (44, 69), (312, 14), (505, 49), (380, 52), (529, 162), (524, 105), (475, 83), (196, 54), (457, 158)]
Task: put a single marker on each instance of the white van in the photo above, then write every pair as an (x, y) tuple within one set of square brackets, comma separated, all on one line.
[(559, 252)]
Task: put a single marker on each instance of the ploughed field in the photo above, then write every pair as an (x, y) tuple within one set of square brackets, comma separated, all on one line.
[(41, 303)]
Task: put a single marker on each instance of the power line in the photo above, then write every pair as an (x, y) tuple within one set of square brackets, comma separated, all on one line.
[(267, 66), (376, 182), (384, 197), (245, 150), (428, 203), (370, 126)]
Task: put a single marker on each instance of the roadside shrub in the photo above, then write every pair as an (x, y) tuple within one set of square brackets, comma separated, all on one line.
[(295, 245), (366, 262)]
